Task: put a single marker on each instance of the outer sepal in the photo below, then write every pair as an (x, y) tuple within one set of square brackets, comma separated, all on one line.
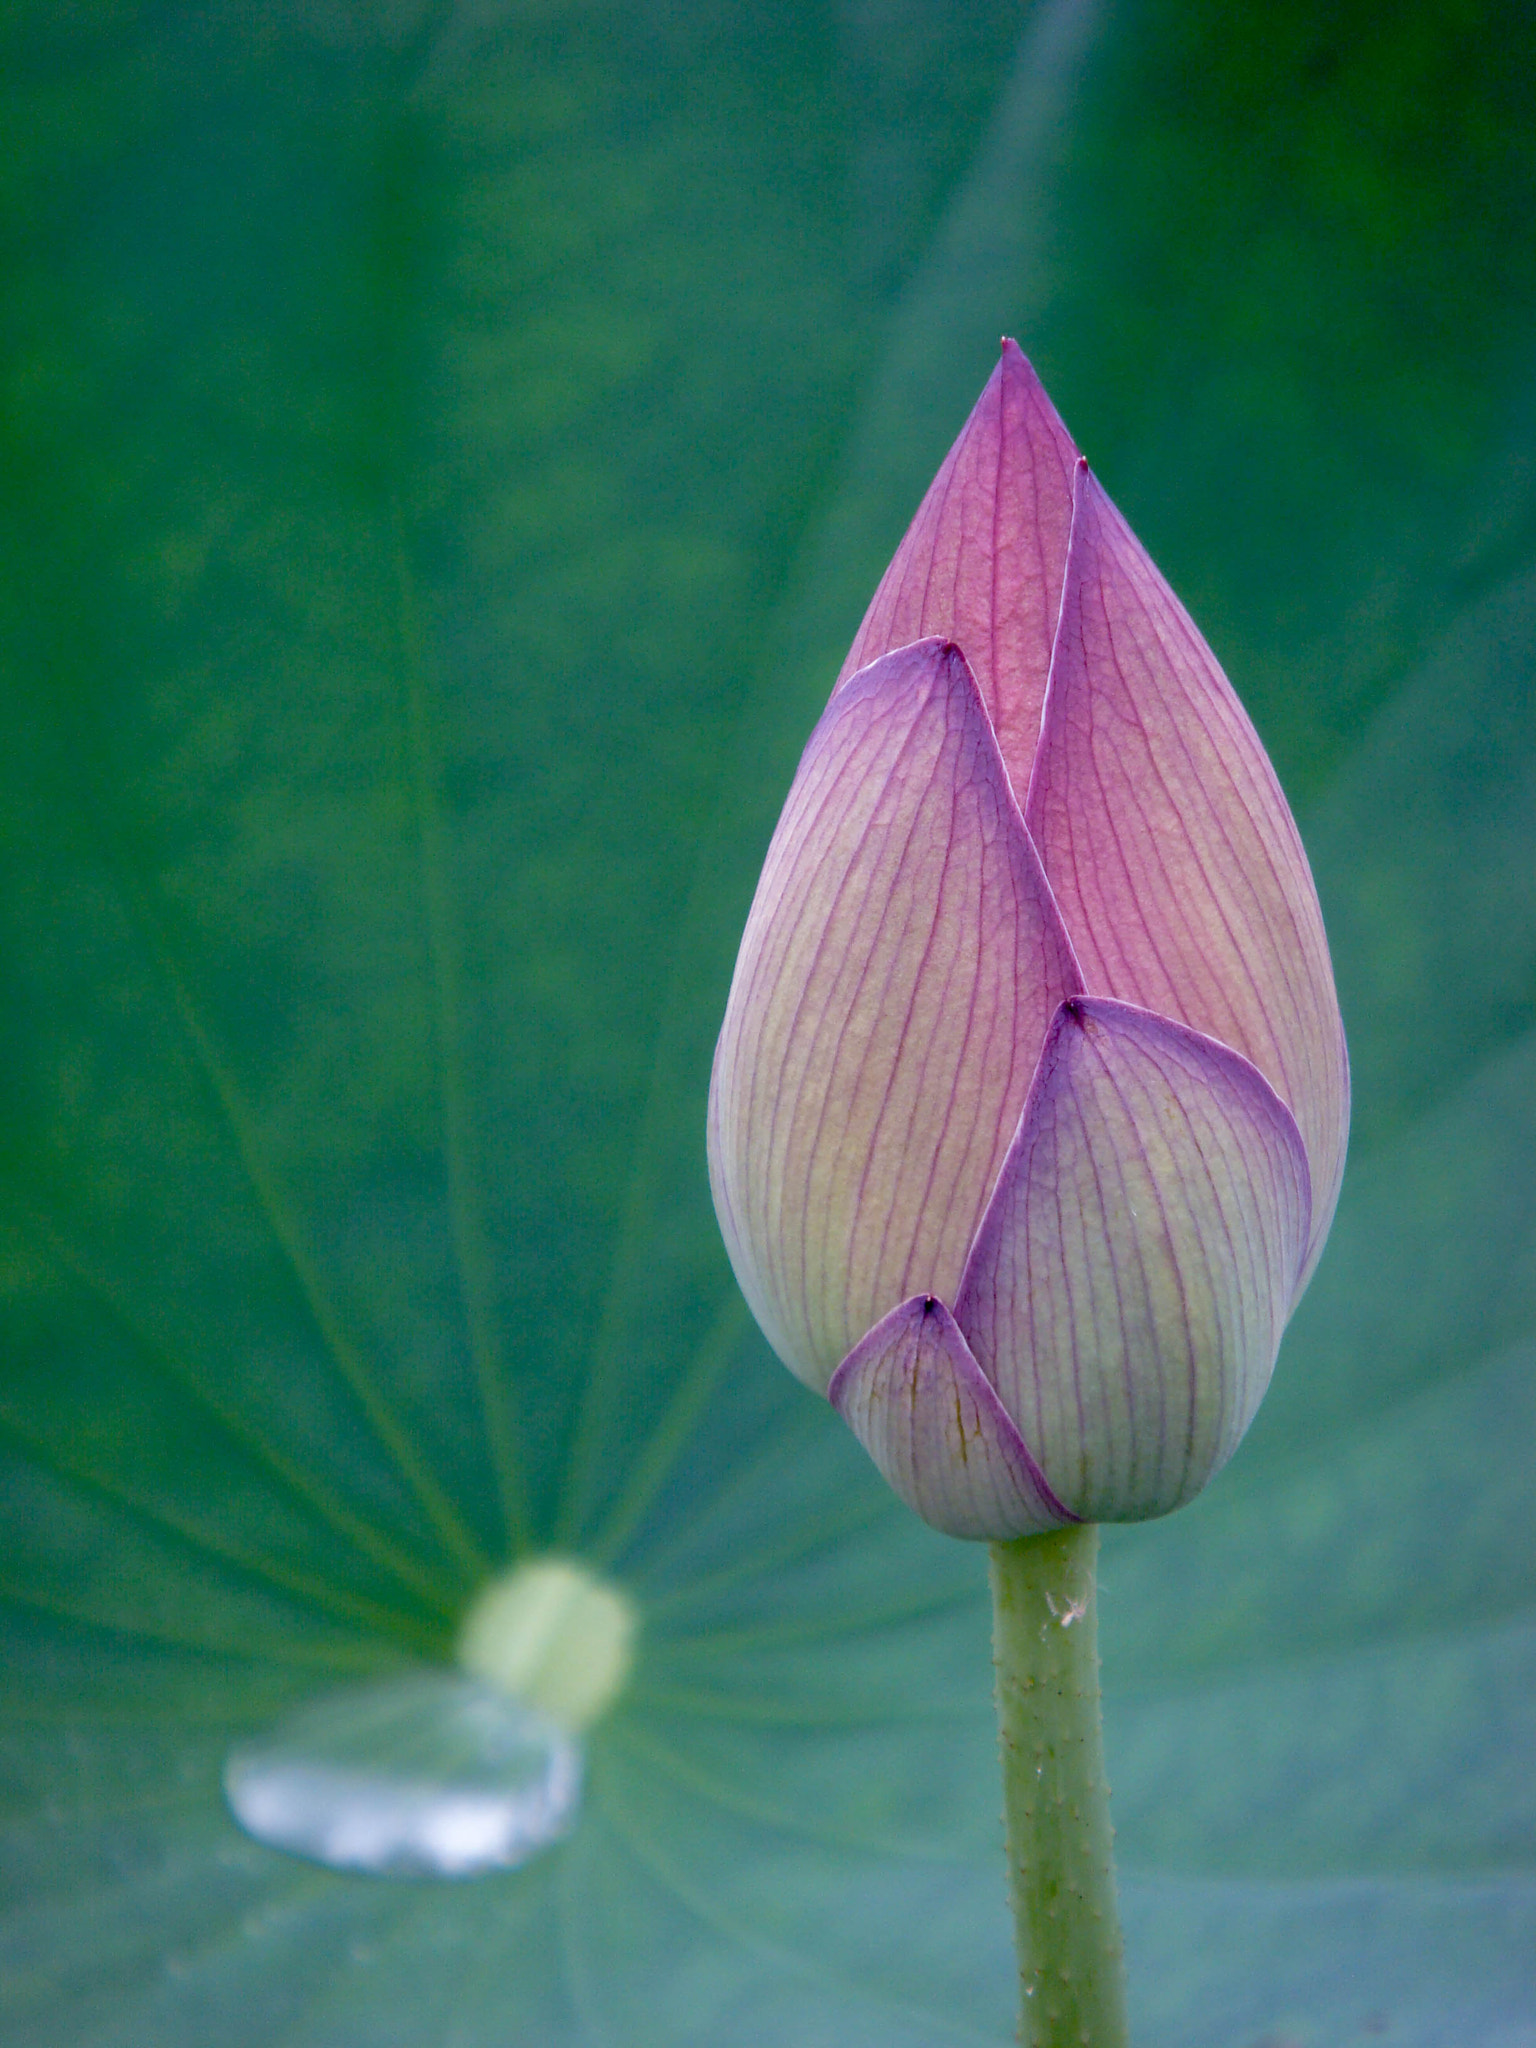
[(915, 1397), (1131, 1279), (1169, 844), (901, 961)]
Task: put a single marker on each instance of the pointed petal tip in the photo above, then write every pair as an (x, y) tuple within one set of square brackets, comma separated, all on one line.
[(912, 1393), (984, 557), (1014, 367), (899, 667)]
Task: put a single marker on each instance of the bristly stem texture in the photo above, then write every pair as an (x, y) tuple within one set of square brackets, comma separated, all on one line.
[(1061, 1873)]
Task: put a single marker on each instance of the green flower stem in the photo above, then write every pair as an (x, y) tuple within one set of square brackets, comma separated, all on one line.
[(1061, 1871)]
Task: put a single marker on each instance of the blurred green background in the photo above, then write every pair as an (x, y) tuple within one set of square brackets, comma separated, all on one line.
[(447, 452)]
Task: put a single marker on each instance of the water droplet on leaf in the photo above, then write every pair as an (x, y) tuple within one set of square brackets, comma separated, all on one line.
[(429, 1775)]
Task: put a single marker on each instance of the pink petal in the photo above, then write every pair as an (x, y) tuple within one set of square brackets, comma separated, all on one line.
[(900, 964), (1135, 1267), (916, 1399), (982, 562), (1169, 844)]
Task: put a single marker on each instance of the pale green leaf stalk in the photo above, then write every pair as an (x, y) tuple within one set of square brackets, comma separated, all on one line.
[(1061, 1872)]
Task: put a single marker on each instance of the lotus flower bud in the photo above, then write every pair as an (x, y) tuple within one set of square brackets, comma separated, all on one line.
[(1029, 1108)]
